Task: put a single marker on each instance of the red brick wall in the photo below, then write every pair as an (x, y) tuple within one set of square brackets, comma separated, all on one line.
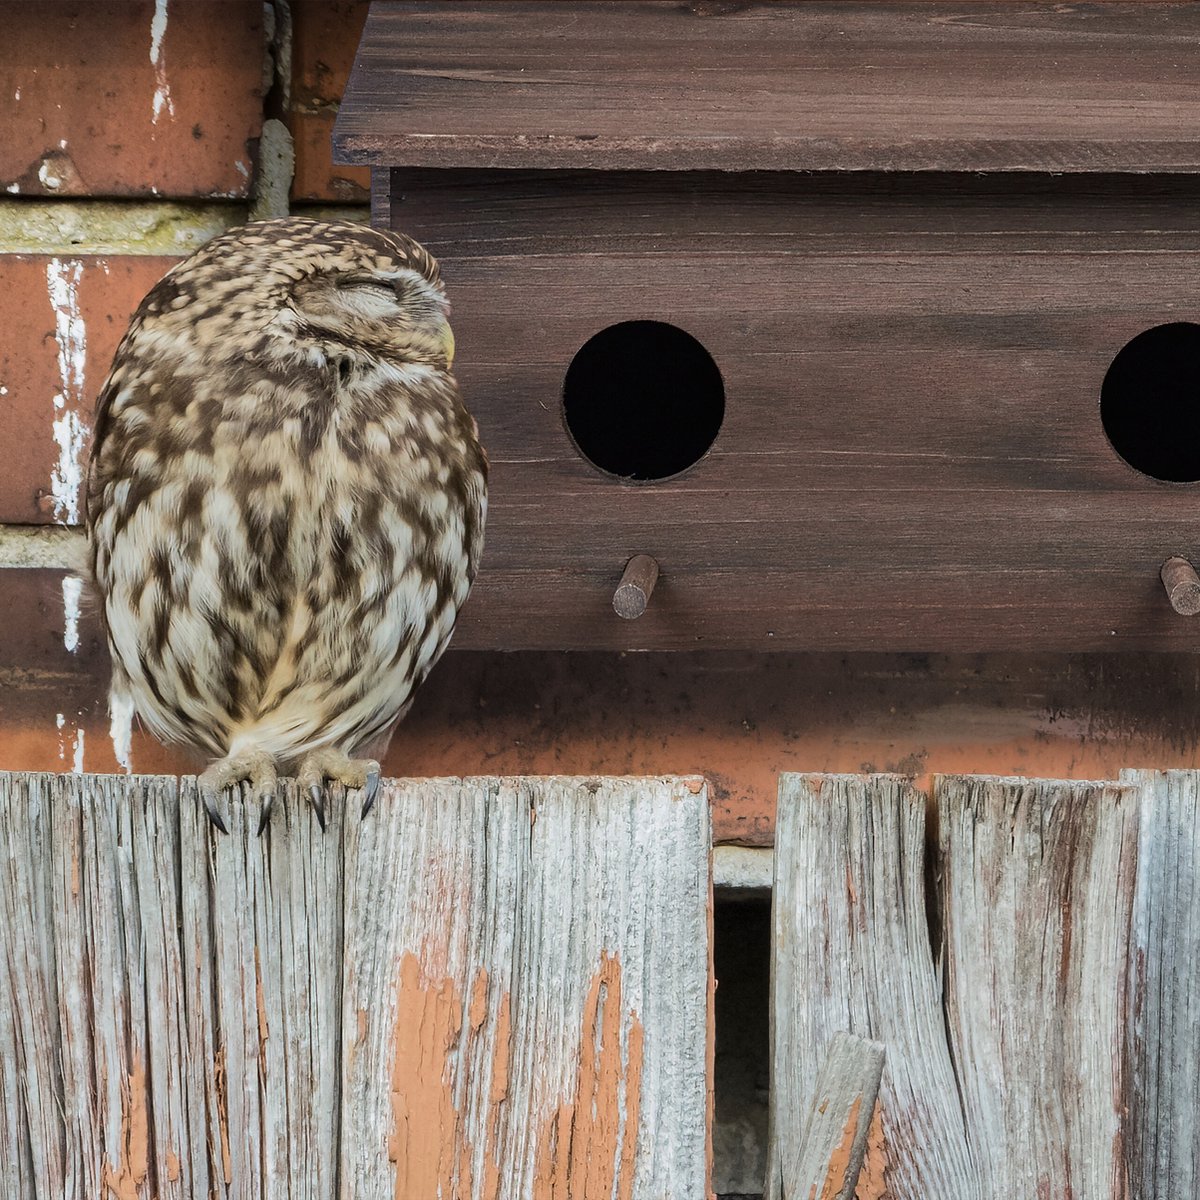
[(131, 133)]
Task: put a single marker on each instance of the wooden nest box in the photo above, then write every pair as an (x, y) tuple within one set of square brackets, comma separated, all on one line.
[(873, 325)]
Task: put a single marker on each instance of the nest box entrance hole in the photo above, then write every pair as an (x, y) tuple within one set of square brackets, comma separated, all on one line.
[(643, 400), (1150, 402)]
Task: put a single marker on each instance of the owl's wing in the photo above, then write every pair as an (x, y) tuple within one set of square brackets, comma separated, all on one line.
[(127, 369)]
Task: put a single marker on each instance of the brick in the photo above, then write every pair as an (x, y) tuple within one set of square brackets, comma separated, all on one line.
[(324, 40), (63, 317), (113, 98), (54, 682), (318, 177)]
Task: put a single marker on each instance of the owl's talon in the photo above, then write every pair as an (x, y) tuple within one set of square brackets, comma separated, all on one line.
[(268, 802), (214, 817), (316, 796), (327, 763), (370, 791), (256, 766)]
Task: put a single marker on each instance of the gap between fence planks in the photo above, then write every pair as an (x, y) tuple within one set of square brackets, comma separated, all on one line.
[(1007, 1076), (493, 986)]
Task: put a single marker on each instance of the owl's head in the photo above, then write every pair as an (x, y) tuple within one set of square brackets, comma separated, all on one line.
[(302, 288), (378, 292)]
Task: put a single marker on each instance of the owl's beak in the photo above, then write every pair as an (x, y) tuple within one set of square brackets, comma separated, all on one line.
[(447, 343)]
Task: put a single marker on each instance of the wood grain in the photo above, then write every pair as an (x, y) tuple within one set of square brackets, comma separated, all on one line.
[(1038, 883), (852, 954), (194, 1016), (912, 369), (835, 1139), (803, 86), (1164, 1045), (528, 1010)]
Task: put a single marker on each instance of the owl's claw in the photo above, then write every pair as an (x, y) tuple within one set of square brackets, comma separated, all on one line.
[(370, 791), (320, 765), (268, 802), (316, 796), (255, 766), (210, 807)]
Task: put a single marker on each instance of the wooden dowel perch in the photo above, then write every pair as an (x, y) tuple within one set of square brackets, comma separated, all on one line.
[(1183, 586), (835, 1136), (634, 591)]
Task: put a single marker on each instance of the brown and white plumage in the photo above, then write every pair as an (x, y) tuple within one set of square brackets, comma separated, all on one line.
[(286, 498)]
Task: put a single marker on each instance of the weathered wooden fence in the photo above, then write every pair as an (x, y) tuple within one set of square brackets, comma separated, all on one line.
[(1044, 1043), (502, 988), (490, 988)]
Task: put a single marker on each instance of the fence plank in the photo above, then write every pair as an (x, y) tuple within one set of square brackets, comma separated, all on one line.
[(32, 1129), (172, 1003), (1038, 892), (276, 985), (528, 1005), (852, 953), (1164, 1002)]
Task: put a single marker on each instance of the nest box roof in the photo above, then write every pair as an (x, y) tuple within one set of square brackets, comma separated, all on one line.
[(817, 85)]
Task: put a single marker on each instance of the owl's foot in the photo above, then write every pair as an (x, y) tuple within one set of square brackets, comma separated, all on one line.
[(321, 765), (256, 766)]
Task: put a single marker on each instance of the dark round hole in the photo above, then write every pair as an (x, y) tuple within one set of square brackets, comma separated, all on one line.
[(1150, 402), (643, 400)]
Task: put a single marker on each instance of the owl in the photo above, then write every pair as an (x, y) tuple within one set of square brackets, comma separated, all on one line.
[(285, 503)]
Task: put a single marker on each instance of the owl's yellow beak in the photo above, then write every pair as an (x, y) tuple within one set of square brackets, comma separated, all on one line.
[(448, 343)]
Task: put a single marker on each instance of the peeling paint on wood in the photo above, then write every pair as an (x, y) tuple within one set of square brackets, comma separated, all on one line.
[(446, 997), (872, 1180), (1035, 905), (529, 1005)]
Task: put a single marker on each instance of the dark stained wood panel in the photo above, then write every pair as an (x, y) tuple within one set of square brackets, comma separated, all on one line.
[(912, 456), (785, 86)]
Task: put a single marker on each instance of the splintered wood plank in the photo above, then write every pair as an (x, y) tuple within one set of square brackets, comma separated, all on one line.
[(1164, 1003), (528, 991), (835, 1139), (818, 85), (170, 1001), (852, 954), (1038, 881), (32, 1159), (266, 991)]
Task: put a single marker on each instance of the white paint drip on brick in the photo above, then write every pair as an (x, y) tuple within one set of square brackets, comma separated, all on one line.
[(120, 729), (162, 91), (72, 589), (77, 763), (66, 481), (48, 179)]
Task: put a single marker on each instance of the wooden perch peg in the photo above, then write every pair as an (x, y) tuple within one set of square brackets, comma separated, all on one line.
[(634, 591), (1183, 586)]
